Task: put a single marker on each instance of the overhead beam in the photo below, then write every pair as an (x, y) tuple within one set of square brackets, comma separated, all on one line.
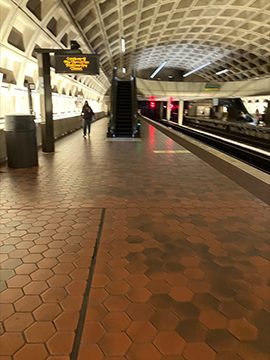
[(162, 90)]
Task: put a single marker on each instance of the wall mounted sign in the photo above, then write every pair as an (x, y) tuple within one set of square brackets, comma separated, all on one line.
[(31, 86), (211, 88), (77, 64), (215, 102)]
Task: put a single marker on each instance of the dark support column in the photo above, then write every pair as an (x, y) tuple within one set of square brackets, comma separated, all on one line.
[(45, 102), (161, 109), (267, 114)]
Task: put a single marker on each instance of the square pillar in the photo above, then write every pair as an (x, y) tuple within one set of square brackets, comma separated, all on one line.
[(168, 110), (161, 110), (45, 95), (180, 112)]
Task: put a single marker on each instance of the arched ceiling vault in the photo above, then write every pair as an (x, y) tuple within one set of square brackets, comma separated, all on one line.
[(232, 34)]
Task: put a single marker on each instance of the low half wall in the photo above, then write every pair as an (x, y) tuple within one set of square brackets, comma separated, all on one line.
[(62, 126)]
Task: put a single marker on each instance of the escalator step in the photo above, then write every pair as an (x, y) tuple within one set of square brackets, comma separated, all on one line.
[(123, 123)]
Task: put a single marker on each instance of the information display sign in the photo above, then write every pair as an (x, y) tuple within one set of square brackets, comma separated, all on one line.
[(215, 102), (87, 64), (211, 88)]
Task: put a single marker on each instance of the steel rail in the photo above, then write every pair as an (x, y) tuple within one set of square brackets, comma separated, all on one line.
[(250, 156), (227, 133)]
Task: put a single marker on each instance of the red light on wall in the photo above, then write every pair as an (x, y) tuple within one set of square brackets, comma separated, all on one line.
[(152, 104), (171, 106)]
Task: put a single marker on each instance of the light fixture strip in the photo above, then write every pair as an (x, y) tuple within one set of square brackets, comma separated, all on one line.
[(200, 67), (124, 70), (158, 69), (222, 71), (123, 44)]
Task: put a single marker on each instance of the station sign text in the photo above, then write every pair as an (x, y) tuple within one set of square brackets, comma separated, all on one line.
[(76, 64)]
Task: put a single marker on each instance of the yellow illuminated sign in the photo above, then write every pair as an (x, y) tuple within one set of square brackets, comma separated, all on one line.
[(76, 63), (82, 63)]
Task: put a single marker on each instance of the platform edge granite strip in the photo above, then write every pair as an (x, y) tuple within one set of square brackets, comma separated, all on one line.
[(79, 330), (252, 184)]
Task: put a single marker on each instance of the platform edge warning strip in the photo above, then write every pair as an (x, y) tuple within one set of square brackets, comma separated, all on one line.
[(255, 186)]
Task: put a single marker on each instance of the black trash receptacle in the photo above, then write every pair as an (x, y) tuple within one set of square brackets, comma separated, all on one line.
[(21, 141)]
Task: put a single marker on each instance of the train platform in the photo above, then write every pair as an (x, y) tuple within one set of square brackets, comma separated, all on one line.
[(139, 249)]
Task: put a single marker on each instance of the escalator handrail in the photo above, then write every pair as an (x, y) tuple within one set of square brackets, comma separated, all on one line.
[(134, 103), (113, 102)]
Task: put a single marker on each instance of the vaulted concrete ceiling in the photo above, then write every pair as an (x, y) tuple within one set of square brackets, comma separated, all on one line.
[(232, 34)]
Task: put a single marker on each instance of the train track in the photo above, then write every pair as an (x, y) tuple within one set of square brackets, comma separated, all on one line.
[(227, 131), (258, 158)]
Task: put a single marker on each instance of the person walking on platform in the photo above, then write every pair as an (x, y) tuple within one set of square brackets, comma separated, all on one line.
[(87, 114)]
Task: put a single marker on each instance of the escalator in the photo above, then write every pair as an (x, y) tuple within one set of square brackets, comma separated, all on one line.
[(235, 107), (123, 121), (123, 115)]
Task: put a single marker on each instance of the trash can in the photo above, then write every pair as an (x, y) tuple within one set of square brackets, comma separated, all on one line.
[(21, 141)]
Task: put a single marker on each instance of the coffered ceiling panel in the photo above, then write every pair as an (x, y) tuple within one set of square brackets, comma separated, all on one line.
[(231, 34)]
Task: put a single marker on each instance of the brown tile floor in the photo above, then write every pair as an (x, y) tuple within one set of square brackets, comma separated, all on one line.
[(175, 255)]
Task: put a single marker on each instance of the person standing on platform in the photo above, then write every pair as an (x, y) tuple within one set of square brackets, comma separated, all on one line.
[(87, 114)]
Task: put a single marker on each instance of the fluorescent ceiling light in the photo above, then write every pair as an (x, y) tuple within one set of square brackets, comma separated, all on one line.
[(222, 72), (158, 69), (200, 67), (124, 70), (123, 44)]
